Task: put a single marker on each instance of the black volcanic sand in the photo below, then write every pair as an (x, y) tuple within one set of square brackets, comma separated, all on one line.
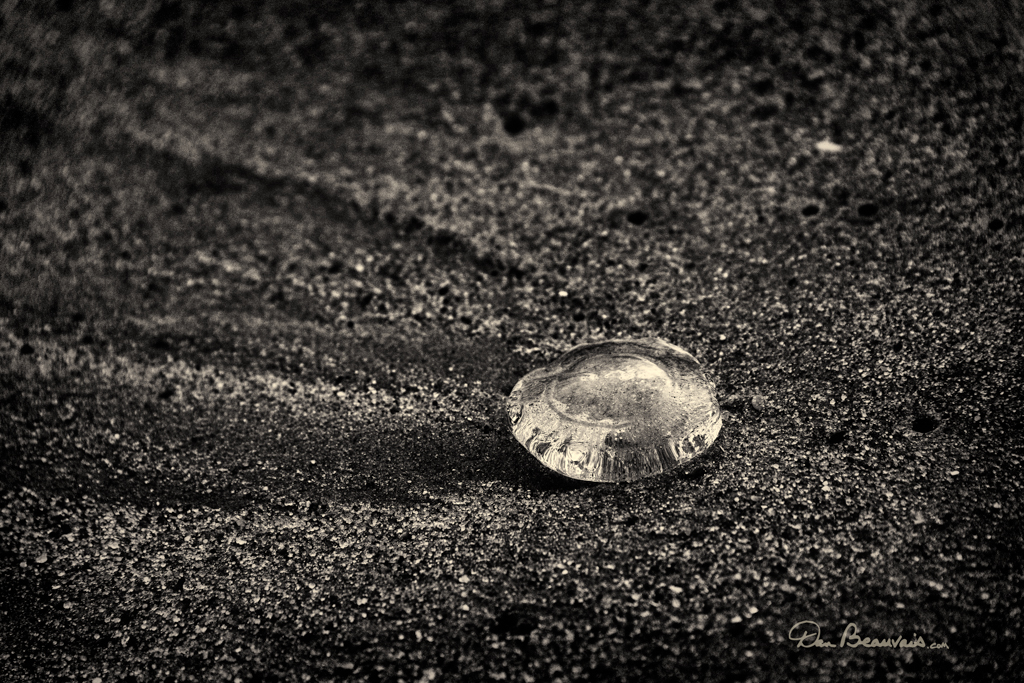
[(267, 271)]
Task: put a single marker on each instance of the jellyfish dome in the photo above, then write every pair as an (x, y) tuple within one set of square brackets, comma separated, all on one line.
[(616, 411)]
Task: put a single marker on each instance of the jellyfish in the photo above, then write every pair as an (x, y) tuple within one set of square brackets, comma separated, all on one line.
[(616, 411)]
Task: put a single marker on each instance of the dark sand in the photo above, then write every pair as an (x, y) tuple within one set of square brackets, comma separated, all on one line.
[(266, 276)]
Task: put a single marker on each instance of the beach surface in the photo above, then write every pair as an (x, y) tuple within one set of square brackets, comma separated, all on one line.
[(268, 272)]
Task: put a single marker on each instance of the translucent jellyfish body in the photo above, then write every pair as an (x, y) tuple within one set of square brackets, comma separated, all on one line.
[(616, 411)]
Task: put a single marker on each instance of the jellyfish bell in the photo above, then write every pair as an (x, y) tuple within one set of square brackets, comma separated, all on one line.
[(616, 411)]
